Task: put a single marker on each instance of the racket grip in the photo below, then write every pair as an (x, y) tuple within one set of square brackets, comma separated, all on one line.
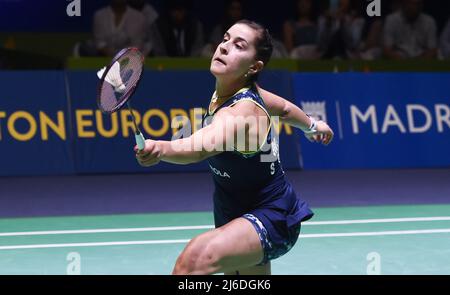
[(140, 141)]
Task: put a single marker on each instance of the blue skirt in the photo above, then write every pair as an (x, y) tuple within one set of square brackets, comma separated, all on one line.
[(277, 217)]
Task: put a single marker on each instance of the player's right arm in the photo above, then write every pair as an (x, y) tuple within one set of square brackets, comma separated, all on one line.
[(181, 151), (199, 146), (202, 144)]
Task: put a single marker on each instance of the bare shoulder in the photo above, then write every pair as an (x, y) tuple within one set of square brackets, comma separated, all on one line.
[(275, 104), (243, 109), (246, 108)]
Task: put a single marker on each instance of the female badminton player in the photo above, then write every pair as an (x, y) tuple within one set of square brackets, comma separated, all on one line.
[(257, 214)]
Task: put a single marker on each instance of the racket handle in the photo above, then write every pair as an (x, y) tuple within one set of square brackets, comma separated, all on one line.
[(140, 141)]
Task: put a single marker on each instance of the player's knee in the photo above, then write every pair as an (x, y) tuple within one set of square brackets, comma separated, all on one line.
[(187, 260), (210, 258), (198, 259), (182, 267)]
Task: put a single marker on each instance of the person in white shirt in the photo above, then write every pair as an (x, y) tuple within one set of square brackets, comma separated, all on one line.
[(410, 33), (146, 9), (150, 15), (117, 26)]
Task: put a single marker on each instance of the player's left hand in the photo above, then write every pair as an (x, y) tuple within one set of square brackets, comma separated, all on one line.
[(150, 155), (323, 135)]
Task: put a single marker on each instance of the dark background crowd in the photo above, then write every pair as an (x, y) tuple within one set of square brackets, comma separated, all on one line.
[(316, 29), (301, 29)]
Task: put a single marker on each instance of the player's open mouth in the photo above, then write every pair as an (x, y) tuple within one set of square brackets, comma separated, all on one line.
[(220, 60)]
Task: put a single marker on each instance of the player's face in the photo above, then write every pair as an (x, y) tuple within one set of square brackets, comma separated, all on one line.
[(235, 55)]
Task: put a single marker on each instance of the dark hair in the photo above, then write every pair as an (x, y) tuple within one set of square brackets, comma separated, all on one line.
[(264, 46)]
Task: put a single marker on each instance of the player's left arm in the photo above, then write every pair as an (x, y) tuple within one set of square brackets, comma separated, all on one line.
[(289, 113)]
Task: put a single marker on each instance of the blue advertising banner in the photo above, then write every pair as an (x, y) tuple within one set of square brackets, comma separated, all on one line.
[(380, 120), (34, 133), (104, 143), (50, 122)]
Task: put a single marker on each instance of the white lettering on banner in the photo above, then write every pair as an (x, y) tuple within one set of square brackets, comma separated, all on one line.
[(442, 115), (410, 113), (392, 119), (370, 114)]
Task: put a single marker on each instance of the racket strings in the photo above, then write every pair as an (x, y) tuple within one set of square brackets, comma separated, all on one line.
[(128, 71)]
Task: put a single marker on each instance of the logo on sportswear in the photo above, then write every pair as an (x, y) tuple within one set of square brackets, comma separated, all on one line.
[(74, 8), (220, 173), (374, 8), (315, 109)]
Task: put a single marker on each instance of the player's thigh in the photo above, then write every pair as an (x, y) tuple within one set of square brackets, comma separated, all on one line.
[(239, 244), (253, 270), (234, 245)]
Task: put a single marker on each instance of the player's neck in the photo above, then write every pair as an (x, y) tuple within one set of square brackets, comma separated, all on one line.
[(227, 89)]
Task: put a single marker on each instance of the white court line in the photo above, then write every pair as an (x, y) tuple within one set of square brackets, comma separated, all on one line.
[(93, 244), (383, 220), (105, 230), (303, 236), (377, 233), (194, 227)]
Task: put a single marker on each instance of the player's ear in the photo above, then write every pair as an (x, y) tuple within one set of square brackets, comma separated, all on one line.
[(256, 67)]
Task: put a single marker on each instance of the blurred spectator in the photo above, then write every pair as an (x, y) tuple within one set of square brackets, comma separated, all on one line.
[(395, 5), (150, 16), (148, 10), (340, 29), (177, 32), (301, 35), (279, 50), (117, 26), (445, 41), (371, 46), (232, 13), (409, 33)]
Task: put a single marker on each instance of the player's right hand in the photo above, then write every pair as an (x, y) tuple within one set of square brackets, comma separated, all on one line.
[(150, 155), (323, 135)]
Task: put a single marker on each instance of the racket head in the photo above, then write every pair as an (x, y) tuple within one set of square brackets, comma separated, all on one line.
[(131, 63)]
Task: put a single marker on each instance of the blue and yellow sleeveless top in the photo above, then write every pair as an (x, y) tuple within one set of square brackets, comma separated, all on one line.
[(241, 178)]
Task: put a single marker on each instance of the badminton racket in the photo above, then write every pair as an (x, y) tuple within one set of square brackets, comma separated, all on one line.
[(118, 82)]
